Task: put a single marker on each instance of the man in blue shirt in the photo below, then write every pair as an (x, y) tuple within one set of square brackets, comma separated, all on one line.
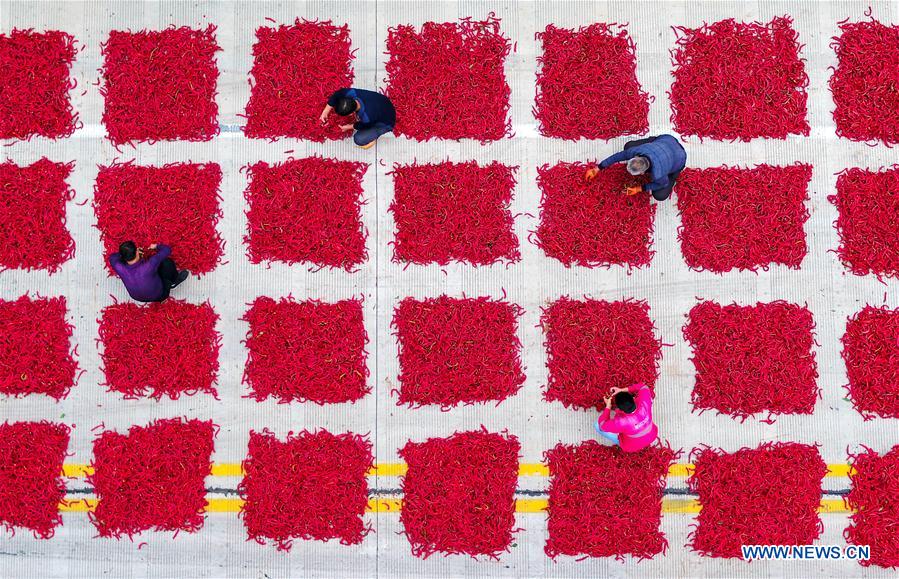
[(374, 112), (662, 156), (147, 280)]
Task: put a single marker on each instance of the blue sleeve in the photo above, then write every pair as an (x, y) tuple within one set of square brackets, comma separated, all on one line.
[(659, 183), (338, 94), (162, 252), (618, 157)]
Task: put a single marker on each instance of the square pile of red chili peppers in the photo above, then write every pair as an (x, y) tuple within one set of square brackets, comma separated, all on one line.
[(36, 351), (587, 84), (753, 359), (606, 503), (739, 81), (593, 346), (35, 84), (311, 486), (31, 485), (865, 83), (448, 81), (33, 207), (160, 85), (295, 69), (153, 477), (459, 494), (763, 496), (161, 349), (593, 223), (306, 210), (306, 351), (868, 203), (871, 353), (457, 351), (747, 219), (454, 212), (177, 204), (874, 500)]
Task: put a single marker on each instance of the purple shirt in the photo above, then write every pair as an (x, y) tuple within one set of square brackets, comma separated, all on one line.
[(142, 278)]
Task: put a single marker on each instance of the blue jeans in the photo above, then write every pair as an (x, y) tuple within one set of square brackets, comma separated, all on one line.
[(366, 136), (610, 436)]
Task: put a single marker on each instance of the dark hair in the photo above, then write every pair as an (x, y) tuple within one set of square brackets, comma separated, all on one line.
[(345, 106), (624, 401), (128, 251)]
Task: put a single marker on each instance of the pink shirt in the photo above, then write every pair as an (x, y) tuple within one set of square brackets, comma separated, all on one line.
[(636, 430)]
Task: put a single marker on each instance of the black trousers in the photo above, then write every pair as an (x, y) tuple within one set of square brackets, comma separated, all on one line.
[(664, 192), (168, 272)]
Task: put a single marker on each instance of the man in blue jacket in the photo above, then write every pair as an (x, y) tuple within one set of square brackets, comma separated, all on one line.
[(147, 280), (374, 112), (662, 156)]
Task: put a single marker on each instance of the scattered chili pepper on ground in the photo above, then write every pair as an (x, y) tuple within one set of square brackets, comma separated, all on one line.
[(593, 346), (311, 486), (606, 503), (152, 477), (739, 81), (746, 219), (457, 351), (871, 353), (295, 69), (868, 202), (454, 212), (459, 494), (176, 204), (306, 210), (31, 485), (306, 351), (587, 84), (762, 496), (448, 81), (33, 233), (161, 349), (865, 83), (35, 84), (753, 359), (874, 500), (160, 85), (593, 223)]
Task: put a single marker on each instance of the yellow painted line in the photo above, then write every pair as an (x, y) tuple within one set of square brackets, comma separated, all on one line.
[(839, 470), (680, 470), (389, 469), (77, 470), (227, 469)]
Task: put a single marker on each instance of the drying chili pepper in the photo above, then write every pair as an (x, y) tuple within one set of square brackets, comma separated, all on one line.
[(311, 486), (459, 494), (865, 83), (160, 85), (152, 477), (871, 353), (457, 351), (448, 81), (604, 502), (295, 69), (307, 351), (161, 349), (763, 496), (874, 500), (593, 223), (739, 81), (34, 84), (31, 485), (868, 202), (753, 359), (454, 212), (593, 346), (306, 210), (36, 353), (746, 219), (176, 204), (587, 84), (33, 207)]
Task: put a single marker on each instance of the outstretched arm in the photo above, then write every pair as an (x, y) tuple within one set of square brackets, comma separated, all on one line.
[(616, 158), (162, 252)]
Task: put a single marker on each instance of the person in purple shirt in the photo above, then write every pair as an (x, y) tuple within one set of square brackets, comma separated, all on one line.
[(150, 279)]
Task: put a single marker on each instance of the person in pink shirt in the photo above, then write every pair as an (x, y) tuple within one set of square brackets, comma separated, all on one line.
[(632, 427)]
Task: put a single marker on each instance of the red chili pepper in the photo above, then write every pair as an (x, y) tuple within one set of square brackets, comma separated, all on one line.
[(871, 353), (874, 500)]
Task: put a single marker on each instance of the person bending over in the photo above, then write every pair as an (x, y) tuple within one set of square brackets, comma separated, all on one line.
[(150, 279), (632, 427), (663, 156), (375, 115)]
